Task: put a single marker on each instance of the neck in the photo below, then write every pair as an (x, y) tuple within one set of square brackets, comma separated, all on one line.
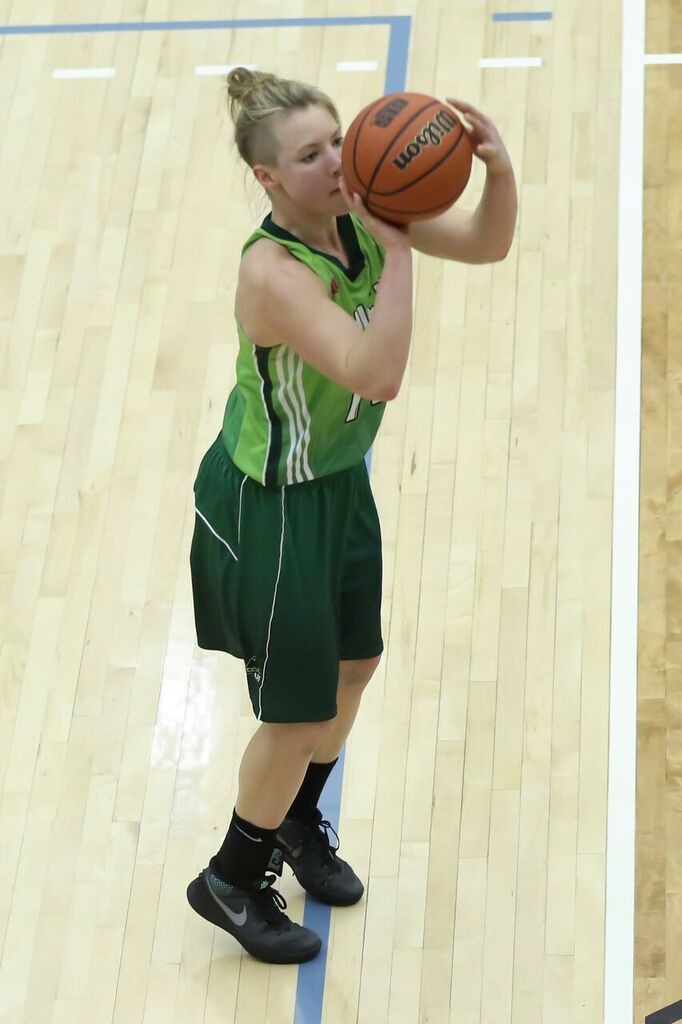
[(319, 231)]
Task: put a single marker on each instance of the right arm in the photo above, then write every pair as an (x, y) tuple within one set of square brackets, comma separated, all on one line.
[(295, 310)]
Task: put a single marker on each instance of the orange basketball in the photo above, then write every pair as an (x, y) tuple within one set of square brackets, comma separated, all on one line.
[(408, 156)]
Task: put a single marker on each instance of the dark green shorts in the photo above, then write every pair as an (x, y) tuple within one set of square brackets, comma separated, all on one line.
[(287, 579)]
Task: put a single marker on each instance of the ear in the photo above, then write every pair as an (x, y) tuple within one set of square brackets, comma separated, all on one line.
[(264, 176)]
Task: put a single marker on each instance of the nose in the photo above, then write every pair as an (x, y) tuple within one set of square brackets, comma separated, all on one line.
[(334, 160)]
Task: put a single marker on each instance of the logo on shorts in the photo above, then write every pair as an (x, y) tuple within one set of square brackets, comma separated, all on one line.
[(253, 669)]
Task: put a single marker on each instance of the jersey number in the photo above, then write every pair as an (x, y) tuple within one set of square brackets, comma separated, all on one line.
[(354, 410), (361, 316)]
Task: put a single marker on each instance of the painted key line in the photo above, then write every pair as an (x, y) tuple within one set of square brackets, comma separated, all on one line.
[(663, 58)]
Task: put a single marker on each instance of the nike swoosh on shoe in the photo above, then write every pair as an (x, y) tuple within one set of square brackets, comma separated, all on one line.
[(238, 919)]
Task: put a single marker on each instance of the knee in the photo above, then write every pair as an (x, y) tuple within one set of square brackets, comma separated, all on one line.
[(302, 738), (358, 672)]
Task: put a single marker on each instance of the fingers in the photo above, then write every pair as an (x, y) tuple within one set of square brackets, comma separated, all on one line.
[(481, 132), (352, 198), (356, 204), (470, 111), (466, 108), (345, 192)]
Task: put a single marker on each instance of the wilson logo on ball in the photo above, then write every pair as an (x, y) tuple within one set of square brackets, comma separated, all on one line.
[(389, 113), (432, 134)]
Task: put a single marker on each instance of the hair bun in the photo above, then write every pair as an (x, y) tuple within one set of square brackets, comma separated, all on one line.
[(242, 83), (248, 91), (239, 82)]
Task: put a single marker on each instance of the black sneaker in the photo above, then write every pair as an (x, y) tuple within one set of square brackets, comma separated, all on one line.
[(252, 913), (308, 851)]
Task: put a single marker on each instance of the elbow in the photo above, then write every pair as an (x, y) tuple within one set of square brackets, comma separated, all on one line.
[(380, 391), (387, 392), (499, 254)]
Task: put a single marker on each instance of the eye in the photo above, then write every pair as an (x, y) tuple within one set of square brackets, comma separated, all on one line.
[(308, 159), (339, 141)]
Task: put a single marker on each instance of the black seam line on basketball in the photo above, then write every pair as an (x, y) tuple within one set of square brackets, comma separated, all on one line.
[(431, 169), (369, 110), (275, 449), (418, 113)]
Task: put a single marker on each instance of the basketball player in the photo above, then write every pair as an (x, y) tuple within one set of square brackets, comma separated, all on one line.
[(286, 554)]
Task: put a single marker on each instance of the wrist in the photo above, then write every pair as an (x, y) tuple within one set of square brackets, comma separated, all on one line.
[(505, 170)]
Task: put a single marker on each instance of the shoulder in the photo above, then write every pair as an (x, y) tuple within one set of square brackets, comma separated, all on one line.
[(264, 252), (269, 274), (266, 265)]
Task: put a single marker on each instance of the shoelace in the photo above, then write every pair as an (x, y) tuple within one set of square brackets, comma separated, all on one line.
[(271, 902), (320, 839)]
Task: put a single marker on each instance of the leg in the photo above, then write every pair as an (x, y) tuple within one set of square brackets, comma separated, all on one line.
[(353, 678), (272, 769), (303, 837), (234, 892)]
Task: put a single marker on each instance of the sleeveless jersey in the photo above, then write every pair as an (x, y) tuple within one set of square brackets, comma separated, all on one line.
[(286, 423)]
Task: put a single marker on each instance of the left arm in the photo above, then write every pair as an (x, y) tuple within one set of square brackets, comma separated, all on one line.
[(485, 235)]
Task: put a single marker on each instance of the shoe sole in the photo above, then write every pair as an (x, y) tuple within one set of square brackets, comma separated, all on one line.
[(205, 907), (316, 894)]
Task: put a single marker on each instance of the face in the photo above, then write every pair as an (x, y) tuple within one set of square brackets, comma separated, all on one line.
[(309, 162)]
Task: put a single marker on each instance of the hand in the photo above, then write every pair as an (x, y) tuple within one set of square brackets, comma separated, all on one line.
[(485, 138), (391, 236)]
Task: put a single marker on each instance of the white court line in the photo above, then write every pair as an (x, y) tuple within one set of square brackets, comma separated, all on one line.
[(620, 833), (221, 69), (510, 62), (84, 73), (663, 58), (357, 65)]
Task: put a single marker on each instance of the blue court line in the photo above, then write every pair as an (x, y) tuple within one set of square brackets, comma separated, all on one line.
[(523, 16), (190, 26), (311, 976), (398, 47)]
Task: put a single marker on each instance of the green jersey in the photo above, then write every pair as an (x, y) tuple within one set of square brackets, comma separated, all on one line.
[(286, 423)]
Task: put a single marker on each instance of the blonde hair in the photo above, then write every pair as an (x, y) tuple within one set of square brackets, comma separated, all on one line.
[(256, 100)]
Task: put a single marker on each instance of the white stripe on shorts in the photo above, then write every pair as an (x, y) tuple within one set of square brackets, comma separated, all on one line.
[(217, 535), (239, 522), (272, 612)]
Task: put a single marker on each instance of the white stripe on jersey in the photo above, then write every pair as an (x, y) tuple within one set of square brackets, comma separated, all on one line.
[(293, 398), (282, 396), (305, 439)]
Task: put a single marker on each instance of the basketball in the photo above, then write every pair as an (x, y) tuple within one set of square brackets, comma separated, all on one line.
[(408, 156)]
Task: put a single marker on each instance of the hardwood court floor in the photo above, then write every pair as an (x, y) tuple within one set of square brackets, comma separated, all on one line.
[(474, 798), (658, 953)]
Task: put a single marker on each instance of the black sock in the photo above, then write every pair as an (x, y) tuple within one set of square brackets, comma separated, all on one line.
[(245, 852), (305, 803)]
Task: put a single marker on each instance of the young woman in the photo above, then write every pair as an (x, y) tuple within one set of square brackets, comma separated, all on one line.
[(286, 553)]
